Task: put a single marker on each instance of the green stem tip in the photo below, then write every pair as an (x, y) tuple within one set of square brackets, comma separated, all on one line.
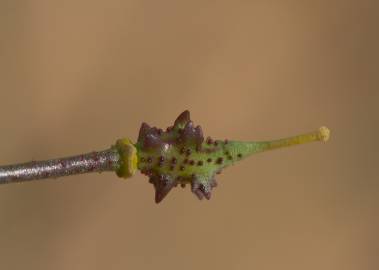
[(322, 134)]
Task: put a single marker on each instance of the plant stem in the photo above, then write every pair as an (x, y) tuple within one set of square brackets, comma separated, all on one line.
[(107, 160)]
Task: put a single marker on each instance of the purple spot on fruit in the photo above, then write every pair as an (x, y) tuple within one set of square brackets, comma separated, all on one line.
[(219, 160), (188, 152)]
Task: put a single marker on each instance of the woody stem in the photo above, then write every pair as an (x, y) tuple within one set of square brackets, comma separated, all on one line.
[(107, 160)]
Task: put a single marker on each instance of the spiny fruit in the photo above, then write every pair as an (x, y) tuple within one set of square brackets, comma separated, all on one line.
[(180, 155)]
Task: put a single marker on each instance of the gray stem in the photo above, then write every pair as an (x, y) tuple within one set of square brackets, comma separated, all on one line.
[(107, 160)]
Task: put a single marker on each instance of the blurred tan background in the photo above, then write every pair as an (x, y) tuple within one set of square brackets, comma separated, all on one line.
[(77, 75)]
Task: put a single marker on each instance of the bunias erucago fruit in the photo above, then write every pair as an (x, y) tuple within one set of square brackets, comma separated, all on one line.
[(181, 155)]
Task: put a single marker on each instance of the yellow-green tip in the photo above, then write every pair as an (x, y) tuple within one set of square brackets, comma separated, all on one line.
[(324, 134)]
